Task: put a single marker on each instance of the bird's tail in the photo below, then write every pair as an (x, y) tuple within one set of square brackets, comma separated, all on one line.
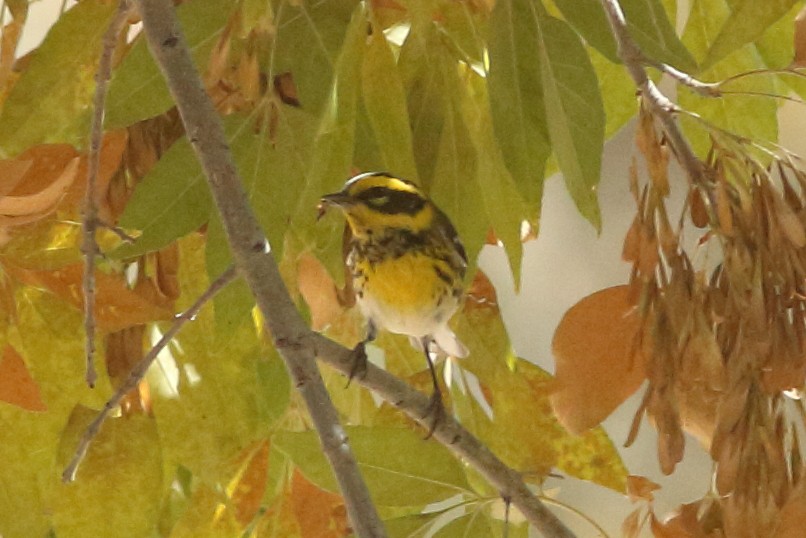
[(450, 343)]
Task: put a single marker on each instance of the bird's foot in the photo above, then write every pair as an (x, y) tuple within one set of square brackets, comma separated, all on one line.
[(436, 411), (359, 362)]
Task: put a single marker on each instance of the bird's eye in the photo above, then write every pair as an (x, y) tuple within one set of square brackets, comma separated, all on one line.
[(379, 201)]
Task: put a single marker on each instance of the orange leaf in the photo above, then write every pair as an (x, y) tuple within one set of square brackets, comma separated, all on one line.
[(113, 147), (248, 490), (800, 39), (11, 173), (116, 305), (320, 514), (39, 203), (599, 362), (17, 387), (319, 292)]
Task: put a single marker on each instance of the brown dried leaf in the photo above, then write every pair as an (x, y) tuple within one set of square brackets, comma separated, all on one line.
[(320, 514), (22, 202), (11, 173), (655, 153), (481, 293), (648, 257), (800, 39), (17, 387), (124, 349), (113, 147), (319, 291), (793, 514), (723, 207), (599, 363), (640, 488), (249, 77), (632, 242), (116, 307), (167, 271), (631, 526), (789, 222), (286, 89), (699, 213), (248, 488), (659, 530)]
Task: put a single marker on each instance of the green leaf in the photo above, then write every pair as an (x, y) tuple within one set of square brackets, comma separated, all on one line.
[(516, 96), (503, 203), (474, 523), (574, 111), (49, 335), (385, 103), (747, 22), (170, 202), (310, 35), (271, 151), (399, 468), (118, 489), (333, 152), (207, 399), (618, 93), (745, 115), (453, 188), (423, 66), (589, 19), (51, 100), (655, 35), (137, 90)]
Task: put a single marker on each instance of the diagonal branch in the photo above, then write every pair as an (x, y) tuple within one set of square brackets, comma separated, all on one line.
[(250, 251), (139, 371), (659, 105), (449, 433), (297, 344)]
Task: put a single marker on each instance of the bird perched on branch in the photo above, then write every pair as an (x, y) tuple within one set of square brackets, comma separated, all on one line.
[(406, 264)]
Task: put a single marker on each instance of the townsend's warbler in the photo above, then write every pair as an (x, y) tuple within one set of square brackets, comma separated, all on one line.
[(406, 265)]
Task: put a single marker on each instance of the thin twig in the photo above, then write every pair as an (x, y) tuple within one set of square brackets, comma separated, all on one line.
[(139, 371), (797, 72), (706, 89), (659, 105), (89, 247), (249, 248)]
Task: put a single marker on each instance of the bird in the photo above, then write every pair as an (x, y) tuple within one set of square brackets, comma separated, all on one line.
[(406, 265)]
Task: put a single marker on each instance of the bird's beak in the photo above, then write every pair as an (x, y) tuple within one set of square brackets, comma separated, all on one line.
[(338, 199)]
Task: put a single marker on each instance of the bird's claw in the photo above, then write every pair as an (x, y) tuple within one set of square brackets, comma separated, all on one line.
[(435, 410), (359, 360)]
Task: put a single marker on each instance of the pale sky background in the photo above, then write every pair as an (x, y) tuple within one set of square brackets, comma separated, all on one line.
[(564, 264)]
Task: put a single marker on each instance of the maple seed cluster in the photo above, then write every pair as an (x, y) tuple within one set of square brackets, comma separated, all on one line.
[(723, 341)]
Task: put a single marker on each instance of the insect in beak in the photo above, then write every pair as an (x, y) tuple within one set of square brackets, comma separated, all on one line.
[(339, 199)]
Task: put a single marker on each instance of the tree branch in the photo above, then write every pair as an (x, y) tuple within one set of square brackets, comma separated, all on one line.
[(250, 251), (89, 247), (449, 433), (659, 105), (296, 343), (139, 371)]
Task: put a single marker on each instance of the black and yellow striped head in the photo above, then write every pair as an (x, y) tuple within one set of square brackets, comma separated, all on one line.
[(375, 201)]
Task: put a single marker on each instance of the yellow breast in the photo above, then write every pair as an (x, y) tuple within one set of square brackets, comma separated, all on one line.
[(410, 294)]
